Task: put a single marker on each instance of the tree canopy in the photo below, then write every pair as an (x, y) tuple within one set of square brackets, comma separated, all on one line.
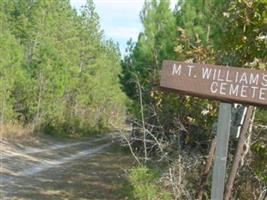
[(58, 72)]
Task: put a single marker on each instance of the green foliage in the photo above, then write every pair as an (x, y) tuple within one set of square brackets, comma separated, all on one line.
[(260, 161), (144, 185), (10, 70), (168, 35), (141, 66), (238, 34), (239, 41), (154, 44), (64, 74), (261, 116), (211, 31)]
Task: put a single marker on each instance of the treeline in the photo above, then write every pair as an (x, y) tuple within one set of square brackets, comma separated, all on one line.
[(58, 74), (212, 31)]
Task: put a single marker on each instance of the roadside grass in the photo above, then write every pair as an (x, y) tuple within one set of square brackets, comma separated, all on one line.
[(15, 130), (142, 185)]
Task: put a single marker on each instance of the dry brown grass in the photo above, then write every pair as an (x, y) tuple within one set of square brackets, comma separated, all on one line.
[(15, 130)]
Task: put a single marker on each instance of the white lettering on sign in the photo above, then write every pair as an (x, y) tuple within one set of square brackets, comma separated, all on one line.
[(206, 72), (254, 79), (176, 70), (214, 87), (244, 91), (227, 77), (238, 84), (254, 91), (264, 81), (262, 95), (233, 90), (190, 69), (227, 82), (243, 78)]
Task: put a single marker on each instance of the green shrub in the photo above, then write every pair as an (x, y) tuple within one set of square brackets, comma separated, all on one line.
[(144, 185), (259, 162)]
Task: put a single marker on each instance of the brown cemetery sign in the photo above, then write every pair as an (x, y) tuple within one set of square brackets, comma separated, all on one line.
[(229, 84)]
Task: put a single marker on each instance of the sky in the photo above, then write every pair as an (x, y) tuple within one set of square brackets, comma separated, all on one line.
[(118, 18)]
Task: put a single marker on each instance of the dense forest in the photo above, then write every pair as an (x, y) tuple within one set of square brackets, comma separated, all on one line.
[(59, 75), (212, 31)]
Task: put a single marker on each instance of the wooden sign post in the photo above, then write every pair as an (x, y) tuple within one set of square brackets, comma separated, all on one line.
[(226, 84)]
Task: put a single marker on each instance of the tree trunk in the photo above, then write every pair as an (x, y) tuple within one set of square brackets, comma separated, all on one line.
[(204, 176), (39, 101), (142, 117), (238, 154)]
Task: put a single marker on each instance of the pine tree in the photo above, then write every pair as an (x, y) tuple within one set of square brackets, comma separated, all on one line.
[(70, 73), (10, 68)]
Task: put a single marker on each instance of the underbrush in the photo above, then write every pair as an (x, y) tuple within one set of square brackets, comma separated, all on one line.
[(10, 130), (179, 176), (144, 185), (71, 130), (15, 130), (177, 179)]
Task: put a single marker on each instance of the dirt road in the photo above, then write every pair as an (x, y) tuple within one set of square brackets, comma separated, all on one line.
[(63, 169)]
